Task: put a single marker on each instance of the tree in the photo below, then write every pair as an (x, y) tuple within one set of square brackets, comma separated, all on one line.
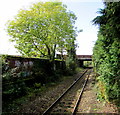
[(106, 52), (43, 30)]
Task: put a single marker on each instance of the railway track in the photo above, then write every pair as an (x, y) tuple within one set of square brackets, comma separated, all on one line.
[(68, 102)]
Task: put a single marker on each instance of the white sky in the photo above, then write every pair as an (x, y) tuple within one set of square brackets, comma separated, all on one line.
[(85, 10)]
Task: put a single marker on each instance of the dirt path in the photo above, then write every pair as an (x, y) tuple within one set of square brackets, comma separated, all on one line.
[(89, 102)]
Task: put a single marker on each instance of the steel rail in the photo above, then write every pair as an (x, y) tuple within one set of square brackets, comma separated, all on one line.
[(80, 95), (54, 103)]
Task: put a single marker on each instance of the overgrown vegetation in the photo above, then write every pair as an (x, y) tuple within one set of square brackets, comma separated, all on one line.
[(21, 89), (41, 31), (87, 63), (107, 52), (18, 86)]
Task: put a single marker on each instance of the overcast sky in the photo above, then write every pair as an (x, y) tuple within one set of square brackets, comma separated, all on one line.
[(85, 11)]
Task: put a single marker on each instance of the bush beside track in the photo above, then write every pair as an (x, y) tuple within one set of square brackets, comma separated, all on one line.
[(18, 75)]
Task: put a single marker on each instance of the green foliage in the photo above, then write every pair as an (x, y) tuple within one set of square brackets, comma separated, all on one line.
[(107, 52), (71, 65), (37, 85), (3, 63), (11, 91), (43, 29), (16, 84), (71, 61), (87, 63)]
